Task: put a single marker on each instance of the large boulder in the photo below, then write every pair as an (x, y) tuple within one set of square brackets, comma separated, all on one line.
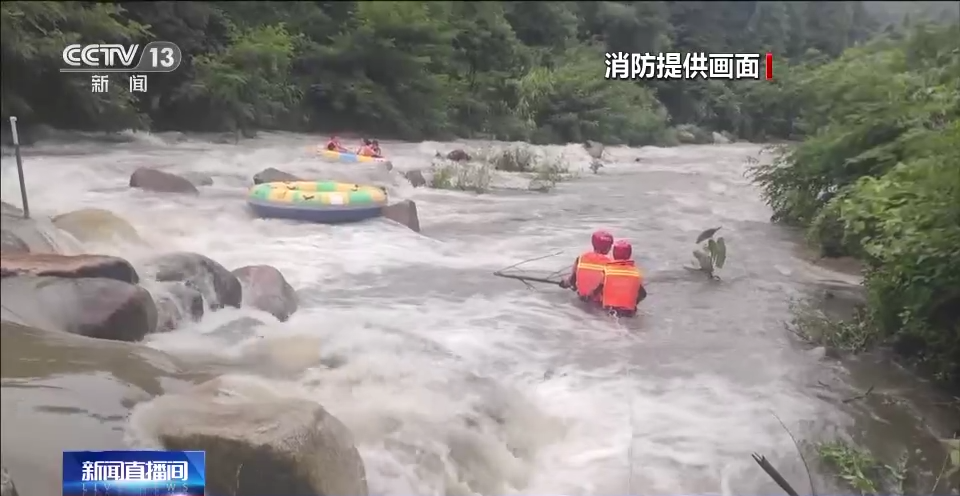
[(218, 286), (693, 135), (199, 178), (594, 149), (162, 182), (176, 303), (236, 330), (404, 212), (37, 235), (458, 155), (415, 177), (256, 442), (271, 175), (68, 266), (94, 307), (265, 288), (65, 392), (96, 224)]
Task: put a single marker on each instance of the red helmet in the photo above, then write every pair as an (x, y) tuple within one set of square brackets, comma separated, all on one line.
[(601, 240), (622, 250)]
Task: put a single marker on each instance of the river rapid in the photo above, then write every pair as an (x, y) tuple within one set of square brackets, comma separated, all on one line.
[(409, 339)]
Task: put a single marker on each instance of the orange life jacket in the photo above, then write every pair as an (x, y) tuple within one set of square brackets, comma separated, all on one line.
[(590, 273), (366, 151), (622, 281)]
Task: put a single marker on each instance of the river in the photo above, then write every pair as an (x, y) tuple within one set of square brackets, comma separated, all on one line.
[(672, 402)]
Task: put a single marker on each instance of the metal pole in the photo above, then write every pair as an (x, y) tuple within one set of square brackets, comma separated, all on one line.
[(16, 149)]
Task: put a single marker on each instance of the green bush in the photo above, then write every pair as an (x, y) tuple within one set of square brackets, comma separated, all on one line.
[(879, 178), (908, 225), (463, 176), (544, 169)]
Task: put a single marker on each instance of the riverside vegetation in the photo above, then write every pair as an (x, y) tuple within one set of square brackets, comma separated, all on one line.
[(877, 177), (870, 95), (514, 71)]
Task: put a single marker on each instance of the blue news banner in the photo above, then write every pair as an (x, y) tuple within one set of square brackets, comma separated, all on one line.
[(134, 473)]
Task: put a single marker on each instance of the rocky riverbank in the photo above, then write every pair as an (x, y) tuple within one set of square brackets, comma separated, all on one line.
[(71, 327)]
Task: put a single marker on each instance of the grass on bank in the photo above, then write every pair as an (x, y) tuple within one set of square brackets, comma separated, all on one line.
[(856, 467), (813, 326), (544, 169), (861, 471)]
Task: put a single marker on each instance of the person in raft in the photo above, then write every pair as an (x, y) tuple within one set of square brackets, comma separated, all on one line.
[(622, 287), (369, 148), (587, 274), (334, 145)]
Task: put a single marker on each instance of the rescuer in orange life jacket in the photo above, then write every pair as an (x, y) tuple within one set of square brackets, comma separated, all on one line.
[(622, 287), (587, 273)]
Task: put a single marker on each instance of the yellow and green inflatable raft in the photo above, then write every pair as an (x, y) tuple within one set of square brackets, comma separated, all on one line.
[(349, 158), (325, 202)]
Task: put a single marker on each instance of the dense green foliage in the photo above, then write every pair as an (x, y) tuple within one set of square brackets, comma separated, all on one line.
[(512, 70), (879, 178)]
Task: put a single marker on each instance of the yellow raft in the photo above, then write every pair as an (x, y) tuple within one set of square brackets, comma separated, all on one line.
[(348, 158), (326, 202)]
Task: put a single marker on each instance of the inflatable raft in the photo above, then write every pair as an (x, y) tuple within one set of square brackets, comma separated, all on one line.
[(349, 158), (325, 202)]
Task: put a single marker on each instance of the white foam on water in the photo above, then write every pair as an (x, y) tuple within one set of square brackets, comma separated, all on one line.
[(456, 382)]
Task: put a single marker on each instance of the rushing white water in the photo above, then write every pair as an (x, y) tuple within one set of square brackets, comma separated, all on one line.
[(432, 347)]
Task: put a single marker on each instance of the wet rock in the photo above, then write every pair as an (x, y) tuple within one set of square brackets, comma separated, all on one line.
[(37, 236), (540, 185), (404, 212), (96, 224), (720, 139), (237, 330), (265, 288), (594, 149), (690, 134), (271, 175), (176, 303), (415, 177), (94, 307), (218, 286), (10, 243), (66, 392), (6, 483), (243, 426), (68, 266), (199, 178), (458, 155), (686, 137), (162, 182)]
